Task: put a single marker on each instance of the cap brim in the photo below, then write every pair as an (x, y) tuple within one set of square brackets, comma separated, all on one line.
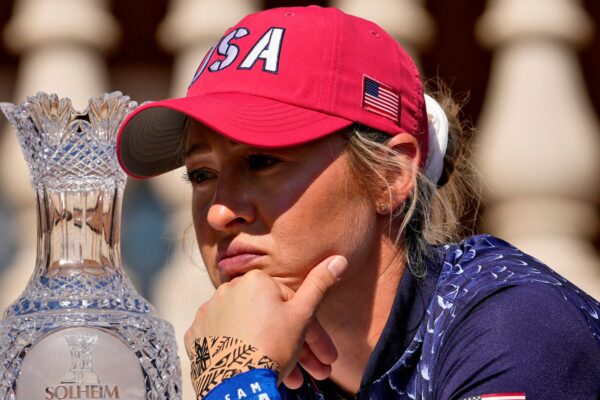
[(150, 140)]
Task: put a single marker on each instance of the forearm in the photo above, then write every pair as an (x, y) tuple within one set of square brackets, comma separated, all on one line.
[(222, 365)]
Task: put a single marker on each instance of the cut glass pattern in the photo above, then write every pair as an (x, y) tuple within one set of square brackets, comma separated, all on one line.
[(78, 279)]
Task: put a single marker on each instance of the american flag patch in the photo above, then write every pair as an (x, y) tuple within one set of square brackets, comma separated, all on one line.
[(380, 99), (497, 396)]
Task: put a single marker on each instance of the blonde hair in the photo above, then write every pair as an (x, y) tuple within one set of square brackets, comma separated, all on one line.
[(435, 213)]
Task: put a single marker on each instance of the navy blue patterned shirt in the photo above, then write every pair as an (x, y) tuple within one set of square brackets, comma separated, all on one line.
[(486, 319)]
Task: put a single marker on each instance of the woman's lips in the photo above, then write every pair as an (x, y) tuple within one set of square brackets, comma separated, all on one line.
[(238, 264)]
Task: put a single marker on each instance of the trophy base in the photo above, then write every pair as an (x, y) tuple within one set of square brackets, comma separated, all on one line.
[(100, 354)]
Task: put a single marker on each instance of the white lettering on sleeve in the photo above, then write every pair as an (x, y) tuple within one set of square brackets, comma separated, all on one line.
[(255, 387)]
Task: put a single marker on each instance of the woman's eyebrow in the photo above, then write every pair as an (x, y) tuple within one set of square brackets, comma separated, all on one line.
[(203, 147), (197, 148)]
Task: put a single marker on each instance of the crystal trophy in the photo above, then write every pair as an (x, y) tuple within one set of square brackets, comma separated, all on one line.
[(80, 330)]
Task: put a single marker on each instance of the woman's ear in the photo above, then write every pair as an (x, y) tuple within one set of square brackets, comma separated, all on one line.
[(401, 181)]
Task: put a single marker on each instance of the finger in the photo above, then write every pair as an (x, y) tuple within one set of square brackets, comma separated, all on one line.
[(318, 282), (320, 343), (294, 380), (313, 366)]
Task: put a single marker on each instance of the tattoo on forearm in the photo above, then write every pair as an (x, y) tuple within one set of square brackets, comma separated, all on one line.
[(216, 358)]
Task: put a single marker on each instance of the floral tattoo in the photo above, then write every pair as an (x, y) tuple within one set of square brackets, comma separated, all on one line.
[(216, 358)]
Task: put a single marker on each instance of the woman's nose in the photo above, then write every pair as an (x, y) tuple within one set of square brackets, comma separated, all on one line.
[(224, 217)]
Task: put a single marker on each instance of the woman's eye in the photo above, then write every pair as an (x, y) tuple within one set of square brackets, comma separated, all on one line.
[(198, 176), (257, 162)]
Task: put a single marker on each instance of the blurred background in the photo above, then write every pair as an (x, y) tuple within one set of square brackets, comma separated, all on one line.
[(528, 71)]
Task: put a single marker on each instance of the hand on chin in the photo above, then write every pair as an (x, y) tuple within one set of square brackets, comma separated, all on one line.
[(265, 312)]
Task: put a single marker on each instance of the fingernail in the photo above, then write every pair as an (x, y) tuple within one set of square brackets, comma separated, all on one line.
[(337, 266)]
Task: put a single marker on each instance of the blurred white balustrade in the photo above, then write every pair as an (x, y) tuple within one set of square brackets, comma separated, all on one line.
[(539, 142)]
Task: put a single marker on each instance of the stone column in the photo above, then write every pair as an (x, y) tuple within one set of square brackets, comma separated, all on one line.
[(189, 30), (406, 20), (539, 142), (60, 44)]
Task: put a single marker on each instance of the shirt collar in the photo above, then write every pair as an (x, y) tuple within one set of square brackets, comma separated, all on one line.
[(408, 310)]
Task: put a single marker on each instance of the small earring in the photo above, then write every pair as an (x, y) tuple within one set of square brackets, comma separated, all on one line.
[(384, 208)]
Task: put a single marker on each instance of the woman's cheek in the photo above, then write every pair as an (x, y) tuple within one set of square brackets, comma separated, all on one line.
[(206, 245), (201, 225)]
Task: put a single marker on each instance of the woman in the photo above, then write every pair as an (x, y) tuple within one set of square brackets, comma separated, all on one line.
[(327, 190)]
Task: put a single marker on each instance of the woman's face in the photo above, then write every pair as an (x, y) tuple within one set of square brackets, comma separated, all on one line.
[(279, 210)]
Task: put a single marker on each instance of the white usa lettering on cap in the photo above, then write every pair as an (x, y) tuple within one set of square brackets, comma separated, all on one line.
[(267, 49), (228, 49)]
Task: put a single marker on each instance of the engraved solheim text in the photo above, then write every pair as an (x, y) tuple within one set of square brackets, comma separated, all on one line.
[(81, 382), (83, 392)]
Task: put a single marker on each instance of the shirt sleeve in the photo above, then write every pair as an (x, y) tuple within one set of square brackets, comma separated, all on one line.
[(256, 384), (523, 339)]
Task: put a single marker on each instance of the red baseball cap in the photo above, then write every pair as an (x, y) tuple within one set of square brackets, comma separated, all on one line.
[(282, 77)]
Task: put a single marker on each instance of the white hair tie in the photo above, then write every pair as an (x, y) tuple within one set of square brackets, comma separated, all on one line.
[(438, 139)]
